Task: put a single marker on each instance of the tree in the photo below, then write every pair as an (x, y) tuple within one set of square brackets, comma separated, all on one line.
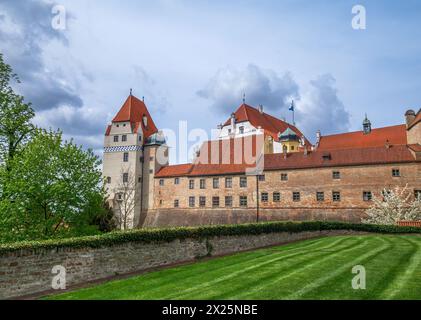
[(125, 199), (393, 206), (15, 116), (56, 189)]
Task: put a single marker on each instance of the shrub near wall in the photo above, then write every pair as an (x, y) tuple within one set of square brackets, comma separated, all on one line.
[(26, 268)]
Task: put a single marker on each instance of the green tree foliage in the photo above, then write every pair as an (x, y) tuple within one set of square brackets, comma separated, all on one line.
[(55, 191)]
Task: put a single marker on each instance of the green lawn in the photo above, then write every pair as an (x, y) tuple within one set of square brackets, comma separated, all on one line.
[(312, 269)]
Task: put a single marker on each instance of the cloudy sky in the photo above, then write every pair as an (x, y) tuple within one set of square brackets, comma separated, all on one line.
[(192, 60)]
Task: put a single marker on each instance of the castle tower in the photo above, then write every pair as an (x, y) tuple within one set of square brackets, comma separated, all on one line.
[(133, 153)]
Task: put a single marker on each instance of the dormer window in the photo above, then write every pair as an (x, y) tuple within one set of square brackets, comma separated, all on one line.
[(241, 130), (145, 121)]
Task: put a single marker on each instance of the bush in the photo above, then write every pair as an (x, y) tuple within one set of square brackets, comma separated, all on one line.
[(204, 232)]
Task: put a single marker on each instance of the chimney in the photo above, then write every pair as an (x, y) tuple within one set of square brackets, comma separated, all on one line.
[(233, 122), (409, 117), (145, 120), (261, 108), (318, 137)]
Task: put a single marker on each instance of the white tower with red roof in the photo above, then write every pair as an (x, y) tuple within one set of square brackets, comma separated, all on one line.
[(134, 150)]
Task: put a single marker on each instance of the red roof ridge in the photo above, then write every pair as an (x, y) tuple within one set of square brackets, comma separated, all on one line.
[(357, 131)]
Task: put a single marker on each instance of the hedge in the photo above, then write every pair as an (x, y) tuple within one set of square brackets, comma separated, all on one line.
[(204, 232)]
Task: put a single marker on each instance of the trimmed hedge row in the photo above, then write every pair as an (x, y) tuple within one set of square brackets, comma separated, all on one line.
[(204, 232)]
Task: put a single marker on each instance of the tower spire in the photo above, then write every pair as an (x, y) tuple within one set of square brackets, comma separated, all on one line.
[(244, 97), (131, 90)]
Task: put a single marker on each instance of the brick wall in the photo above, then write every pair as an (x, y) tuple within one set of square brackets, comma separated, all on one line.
[(27, 272)]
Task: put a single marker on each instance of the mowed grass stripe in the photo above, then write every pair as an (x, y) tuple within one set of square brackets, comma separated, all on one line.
[(154, 283), (293, 275), (205, 287), (344, 267), (312, 269), (406, 274)]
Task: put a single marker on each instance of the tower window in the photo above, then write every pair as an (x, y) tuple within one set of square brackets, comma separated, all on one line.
[(115, 138), (228, 201), (396, 173), (177, 181), (228, 182), (336, 175), (292, 148), (320, 196), (367, 196), (125, 177), (124, 138), (202, 201), (161, 182), (125, 157), (215, 202), (215, 183), (336, 196), (276, 196), (265, 197), (243, 182), (296, 196), (191, 184), (243, 201)]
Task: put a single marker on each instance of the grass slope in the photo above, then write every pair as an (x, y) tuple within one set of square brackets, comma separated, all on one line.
[(312, 269)]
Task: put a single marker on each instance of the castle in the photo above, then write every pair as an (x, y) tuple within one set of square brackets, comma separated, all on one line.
[(259, 168)]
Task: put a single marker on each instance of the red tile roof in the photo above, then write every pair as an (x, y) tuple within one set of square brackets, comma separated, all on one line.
[(416, 120), (394, 135), (133, 111), (270, 124), (298, 160)]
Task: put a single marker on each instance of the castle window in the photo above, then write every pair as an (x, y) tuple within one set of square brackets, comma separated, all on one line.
[(284, 176), (108, 180), (139, 179), (265, 197), (417, 194), (124, 138), (367, 196), (292, 148), (151, 171), (296, 196), (228, 182), (336, 175), (215, 183), (176, 203), (125, 157), (243, 182), (396, 173), (202, 184), (336, 196), (262, 177), (115, 138), (176, 180), (191, 202), (140, 138), (243, 201), (215, 202), (320, 196), (276, 196), (191, 184), (202, 201), (161, 182), (125, 177), (241, 130), (228, 201)]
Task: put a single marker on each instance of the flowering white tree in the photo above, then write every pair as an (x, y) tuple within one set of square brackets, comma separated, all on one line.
[(393, 206)]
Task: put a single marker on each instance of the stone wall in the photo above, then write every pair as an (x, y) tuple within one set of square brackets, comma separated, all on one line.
[(27, 272)]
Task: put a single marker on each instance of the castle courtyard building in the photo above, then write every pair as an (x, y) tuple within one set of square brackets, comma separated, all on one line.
[(335, 179)]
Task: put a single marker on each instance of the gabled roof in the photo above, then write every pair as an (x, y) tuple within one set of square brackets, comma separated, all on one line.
[(133, 111), (270, 124), (394, 135)]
